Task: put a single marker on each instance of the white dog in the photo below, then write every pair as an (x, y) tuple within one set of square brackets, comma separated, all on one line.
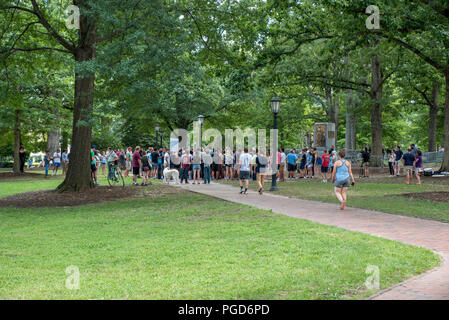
[(171, 173)]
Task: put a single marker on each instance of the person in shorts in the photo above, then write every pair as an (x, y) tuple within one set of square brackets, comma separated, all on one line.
[(229, 165), (418, 166), (408, 160), (244, 169), (154, 155), (196, 167), (365, 162), (397, 161), (146, 167), (291, 164), (93, 164), (325, 159), (342, 177), (302, 164), (262, 163), (136, 164), (56, 161)]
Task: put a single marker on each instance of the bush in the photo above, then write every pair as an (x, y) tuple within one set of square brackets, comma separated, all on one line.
[(6, 164)]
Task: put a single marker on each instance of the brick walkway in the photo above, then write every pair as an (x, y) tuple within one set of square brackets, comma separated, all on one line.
[(433, 235)]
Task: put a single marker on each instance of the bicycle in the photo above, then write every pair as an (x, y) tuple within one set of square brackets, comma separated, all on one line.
[(115, 177)]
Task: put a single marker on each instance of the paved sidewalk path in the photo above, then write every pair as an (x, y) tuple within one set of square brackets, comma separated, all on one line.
[(433, 235)]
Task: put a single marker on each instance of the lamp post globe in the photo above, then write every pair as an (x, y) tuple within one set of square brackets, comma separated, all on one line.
[(275, 105), (157, 134), (275, 108), (200, 121)]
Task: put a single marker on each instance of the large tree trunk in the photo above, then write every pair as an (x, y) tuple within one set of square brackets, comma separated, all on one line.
[(65, 140), (53, 138), (78, 176), (433, 113), (376, 113), (17, 142), (445, 164)]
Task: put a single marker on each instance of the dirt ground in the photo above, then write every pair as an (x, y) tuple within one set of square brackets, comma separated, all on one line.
[(51, 198), (440, 196), (11, 175)]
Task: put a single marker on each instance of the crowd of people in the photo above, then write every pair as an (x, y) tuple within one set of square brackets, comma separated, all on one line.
[(243, 165), (202, 166), (411, 161), (207, 165)]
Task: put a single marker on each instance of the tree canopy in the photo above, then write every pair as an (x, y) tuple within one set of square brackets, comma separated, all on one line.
[(132, 64)]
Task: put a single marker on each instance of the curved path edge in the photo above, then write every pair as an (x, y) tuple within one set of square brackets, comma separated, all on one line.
[(430, 285)]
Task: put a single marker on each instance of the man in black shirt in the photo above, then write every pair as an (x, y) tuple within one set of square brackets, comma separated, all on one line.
[(154, 157), (22, 157), (365, 162), (409, 161), (397, 161)]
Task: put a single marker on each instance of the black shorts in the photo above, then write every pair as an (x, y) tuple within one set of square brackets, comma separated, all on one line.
[(136, 171), (291, 167), (324, 169), (93, 167), (244, 175), (279, 166)]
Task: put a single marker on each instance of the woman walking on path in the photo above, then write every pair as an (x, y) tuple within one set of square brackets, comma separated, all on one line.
[(342, 177)]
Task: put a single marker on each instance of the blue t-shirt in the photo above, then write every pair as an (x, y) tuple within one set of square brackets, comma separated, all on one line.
[(159, 160), (291, 158), (408, 159), (309, 159)]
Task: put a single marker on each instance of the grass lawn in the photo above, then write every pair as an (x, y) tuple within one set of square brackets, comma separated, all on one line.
[(188, 246), (379, 194)]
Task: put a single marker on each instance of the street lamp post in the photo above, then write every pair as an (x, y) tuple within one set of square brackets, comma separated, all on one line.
[(161, 144), (275, 106), (200, 121), (157, 135)]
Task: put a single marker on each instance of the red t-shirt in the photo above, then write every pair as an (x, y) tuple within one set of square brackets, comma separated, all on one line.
[(136, 158), (326, 158)]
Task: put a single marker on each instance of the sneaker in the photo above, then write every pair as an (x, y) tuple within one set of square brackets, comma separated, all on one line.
[(343, 204)]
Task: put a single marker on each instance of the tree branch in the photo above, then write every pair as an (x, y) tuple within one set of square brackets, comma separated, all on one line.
[(40, 48), (416, 51), (70, 47)]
